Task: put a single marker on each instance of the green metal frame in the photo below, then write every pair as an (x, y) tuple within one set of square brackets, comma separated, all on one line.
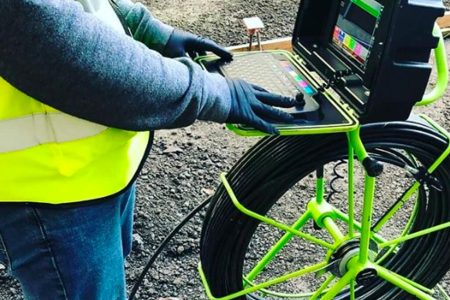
[(442, 70), (325, 216)]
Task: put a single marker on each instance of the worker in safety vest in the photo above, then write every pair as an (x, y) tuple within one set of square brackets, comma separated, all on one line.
[(82, 85)]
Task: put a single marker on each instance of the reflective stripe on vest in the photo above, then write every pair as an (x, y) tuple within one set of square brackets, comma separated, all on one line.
[(38, 129), (48, 156)]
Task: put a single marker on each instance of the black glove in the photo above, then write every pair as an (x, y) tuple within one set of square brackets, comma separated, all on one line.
[(252, 105), (181, 43)]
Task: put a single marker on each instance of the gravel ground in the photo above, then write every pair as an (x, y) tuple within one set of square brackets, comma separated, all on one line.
[(184, 165)]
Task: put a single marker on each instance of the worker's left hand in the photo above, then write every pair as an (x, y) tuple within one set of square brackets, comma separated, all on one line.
[(182, 43)]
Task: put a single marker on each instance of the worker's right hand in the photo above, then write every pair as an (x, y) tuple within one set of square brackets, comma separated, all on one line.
[(252, 105)]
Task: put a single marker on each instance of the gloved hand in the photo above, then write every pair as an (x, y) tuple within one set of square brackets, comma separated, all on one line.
[(251, 105), (181, 43)]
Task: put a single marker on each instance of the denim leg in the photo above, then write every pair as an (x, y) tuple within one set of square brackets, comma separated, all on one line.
[(126, 216), (74, 252)]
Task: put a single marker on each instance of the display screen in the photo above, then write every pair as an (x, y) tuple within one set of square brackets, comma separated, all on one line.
[(355, 29)]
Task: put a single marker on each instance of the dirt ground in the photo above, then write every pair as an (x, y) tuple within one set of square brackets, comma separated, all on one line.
[(184, 166)]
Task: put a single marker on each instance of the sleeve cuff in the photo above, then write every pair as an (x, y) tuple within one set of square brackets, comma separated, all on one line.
[(219, 99)]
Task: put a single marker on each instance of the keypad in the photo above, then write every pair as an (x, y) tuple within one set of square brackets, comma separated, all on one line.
[(265, 70)]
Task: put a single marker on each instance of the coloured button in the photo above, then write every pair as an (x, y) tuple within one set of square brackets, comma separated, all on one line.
[(303, 84), (309, 90)]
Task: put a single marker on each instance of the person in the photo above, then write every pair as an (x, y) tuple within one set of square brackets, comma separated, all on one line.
[(79, 100)]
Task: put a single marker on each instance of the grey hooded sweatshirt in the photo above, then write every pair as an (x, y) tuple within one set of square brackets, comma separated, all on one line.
[(56, 52)]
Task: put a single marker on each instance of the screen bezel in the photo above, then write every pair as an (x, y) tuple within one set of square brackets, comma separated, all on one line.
[(340, 49), (398, 70), (375, 55), (319, 39)]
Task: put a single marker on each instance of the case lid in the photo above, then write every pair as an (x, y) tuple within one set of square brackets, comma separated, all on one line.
[(374, 53)]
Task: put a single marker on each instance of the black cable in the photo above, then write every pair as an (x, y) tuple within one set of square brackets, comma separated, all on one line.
[(336, 176), (394, 159), (275, 164), (163, 244)]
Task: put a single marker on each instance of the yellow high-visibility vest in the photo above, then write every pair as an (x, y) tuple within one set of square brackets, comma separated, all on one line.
[(47, 156)]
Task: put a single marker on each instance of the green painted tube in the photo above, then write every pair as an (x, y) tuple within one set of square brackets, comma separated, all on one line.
[(352, 290), (398, 281), (351, 191), (267, 220), (334, 230), (322, 288), (341, 284), (258, 287), (270, 255), (356, 143), (415, 235), (320, 189), (369, 192), (442, 70)]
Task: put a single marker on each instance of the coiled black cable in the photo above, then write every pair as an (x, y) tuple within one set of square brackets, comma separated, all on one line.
[(275, 164), (336, 176)]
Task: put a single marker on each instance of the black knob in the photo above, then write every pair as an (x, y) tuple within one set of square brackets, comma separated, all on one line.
[(373, 167), (300, 99)]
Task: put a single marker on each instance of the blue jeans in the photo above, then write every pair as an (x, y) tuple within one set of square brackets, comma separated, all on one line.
[(72, 252)]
